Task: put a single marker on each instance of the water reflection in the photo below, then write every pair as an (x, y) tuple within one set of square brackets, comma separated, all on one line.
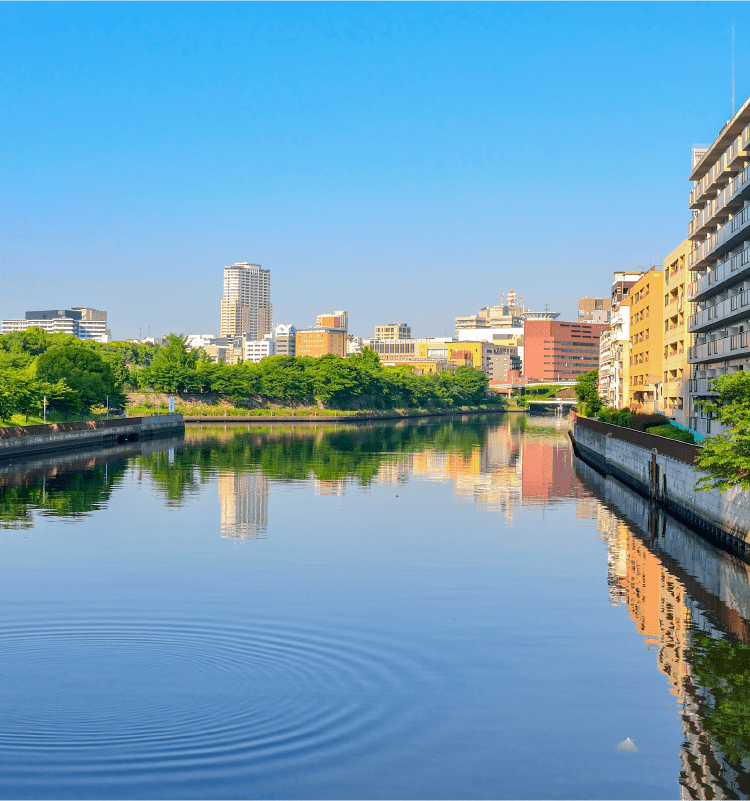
[(690, 603)]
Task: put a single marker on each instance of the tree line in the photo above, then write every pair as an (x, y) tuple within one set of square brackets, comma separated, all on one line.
[(75, 376)]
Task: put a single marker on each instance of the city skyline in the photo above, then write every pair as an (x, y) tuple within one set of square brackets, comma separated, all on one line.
[(412, 150)]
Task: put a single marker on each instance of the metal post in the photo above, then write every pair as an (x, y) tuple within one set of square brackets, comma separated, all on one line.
[(45, 409), (107, 407)]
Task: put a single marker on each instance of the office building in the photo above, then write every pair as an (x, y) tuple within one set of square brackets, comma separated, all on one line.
[(286, 337), (560, 351), (594, 310), (80, 321), (676, 336), (337, 319), (246, 303), (391, 348), (257, 349), (719, 263), (320, 340), (393, 331), (646, 323)]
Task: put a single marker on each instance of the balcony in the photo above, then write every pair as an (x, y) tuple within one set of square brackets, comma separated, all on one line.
[(716, 211), (700, 386), (719, 349), (727, 272), (736, 307)]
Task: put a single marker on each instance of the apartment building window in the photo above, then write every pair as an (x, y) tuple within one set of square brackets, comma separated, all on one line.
[(735, 302)]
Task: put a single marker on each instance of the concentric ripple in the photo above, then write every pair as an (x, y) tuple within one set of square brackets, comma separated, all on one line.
[(124, 694)]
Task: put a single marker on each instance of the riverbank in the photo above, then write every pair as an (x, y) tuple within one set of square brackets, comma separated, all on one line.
[(346, 417), (663, 470), (24, 441)]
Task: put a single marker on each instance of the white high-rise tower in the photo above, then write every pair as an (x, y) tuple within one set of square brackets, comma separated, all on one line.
[(246, 303)]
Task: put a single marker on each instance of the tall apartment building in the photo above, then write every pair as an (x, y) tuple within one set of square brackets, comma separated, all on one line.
[(676, 335), (646, 339), (614, 358), (393, 331), (719, 261), (560, 351), (286, 337), (80, 321), (339, 319), (246, 303)]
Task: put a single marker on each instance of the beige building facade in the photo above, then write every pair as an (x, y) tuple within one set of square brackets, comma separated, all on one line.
[(676, 336)]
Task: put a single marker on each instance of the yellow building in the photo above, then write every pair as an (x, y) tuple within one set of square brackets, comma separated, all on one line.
[(676, 337), (474, 354), (393, 331), (321, 340), (646, 324), (419, 366)]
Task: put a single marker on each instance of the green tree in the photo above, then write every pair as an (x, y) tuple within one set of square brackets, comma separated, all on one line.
[(726, 457), (587, 393), (173, 366), (84, 371)]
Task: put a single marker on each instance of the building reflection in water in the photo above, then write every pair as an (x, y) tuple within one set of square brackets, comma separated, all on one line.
[(243, 500), (691, 603), (532, 463)]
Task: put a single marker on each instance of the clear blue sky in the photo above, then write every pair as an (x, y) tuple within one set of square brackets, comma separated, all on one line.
[(406, 162)]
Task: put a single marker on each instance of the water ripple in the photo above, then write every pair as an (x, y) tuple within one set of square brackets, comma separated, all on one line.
[(132, 694)]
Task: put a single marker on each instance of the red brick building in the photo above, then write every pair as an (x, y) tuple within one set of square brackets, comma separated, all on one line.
[(556, 351)]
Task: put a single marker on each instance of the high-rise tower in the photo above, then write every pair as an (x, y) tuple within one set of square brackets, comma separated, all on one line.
[(246, 304)]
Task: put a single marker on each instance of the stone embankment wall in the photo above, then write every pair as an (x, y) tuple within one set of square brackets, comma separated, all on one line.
[(24, 441), (663, 470)]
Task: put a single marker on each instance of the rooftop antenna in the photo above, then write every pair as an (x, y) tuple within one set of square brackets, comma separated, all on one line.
[(732, 70)]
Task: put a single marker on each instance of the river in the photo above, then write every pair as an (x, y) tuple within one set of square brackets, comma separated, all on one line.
[(445, 608)]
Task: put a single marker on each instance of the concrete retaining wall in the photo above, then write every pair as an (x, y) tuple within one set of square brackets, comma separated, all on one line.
[(722, 518), (24, 441)]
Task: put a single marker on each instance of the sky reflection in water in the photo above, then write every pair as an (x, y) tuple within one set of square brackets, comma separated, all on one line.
[(441, 609)]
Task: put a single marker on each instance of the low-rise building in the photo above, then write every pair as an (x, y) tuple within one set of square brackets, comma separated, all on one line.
[(321, 340), (80, 321), (257, 349), (501, 364), (286, 340)]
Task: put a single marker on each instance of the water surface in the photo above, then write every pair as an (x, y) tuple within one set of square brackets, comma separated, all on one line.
[(435, 609)]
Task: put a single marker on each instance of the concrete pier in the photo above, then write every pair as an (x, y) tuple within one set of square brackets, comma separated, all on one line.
[(25, 441)]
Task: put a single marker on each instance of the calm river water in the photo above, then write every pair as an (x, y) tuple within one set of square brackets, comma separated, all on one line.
[(443, 609)]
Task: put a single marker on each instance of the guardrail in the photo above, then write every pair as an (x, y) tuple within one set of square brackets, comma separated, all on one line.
[(682, 451)]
